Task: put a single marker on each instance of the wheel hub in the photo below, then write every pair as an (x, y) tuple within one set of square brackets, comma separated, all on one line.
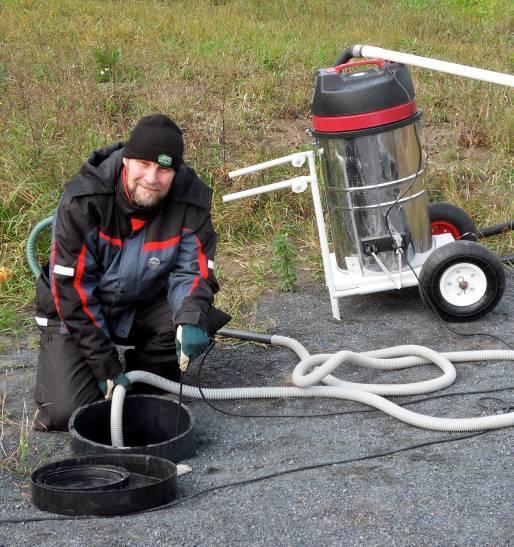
[(444, 227), (463, 284)]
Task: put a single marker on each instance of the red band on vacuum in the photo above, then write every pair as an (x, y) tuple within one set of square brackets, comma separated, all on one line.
[(335, 124)]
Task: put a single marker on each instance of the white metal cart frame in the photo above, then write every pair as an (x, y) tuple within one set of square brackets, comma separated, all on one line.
[(340, 283), (354, 281)]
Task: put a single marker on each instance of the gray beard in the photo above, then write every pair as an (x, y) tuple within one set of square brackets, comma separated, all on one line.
[(148, 203)]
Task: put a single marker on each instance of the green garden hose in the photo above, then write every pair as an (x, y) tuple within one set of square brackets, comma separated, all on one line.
[(31, 245)]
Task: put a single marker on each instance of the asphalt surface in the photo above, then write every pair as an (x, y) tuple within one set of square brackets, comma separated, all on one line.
[(456, 491)]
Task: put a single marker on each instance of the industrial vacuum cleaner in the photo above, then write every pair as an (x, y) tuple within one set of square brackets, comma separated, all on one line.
[(384, 233)]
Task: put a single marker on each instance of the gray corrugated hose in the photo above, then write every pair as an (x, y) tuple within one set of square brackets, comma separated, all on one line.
[(313, 369)]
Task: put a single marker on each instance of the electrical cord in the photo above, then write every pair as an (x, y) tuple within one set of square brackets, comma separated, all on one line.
[(506, 406), (253, 480), (391, 229), (420, 160), (179, 402)]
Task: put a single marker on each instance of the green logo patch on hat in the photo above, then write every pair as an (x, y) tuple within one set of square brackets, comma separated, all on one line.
[(164, 160)]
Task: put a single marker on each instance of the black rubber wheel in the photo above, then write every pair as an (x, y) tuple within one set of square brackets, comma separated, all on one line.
[(462, 280), (446, 218)]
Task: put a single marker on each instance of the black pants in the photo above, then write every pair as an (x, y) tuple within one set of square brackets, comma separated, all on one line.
[(64, 380)]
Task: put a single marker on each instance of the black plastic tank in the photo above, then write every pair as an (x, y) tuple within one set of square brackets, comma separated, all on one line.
[(149, 427)]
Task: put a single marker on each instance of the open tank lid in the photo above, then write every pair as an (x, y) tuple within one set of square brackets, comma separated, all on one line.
[(349, 101), (104, 485)]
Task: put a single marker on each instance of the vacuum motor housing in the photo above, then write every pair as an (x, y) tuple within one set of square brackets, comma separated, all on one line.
[(366, 126)]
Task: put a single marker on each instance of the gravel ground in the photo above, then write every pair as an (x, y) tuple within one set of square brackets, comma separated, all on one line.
[(456, 492)]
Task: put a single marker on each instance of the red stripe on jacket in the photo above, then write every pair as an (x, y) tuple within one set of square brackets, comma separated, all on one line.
[(194, 285), (202, 263), (113, 240), (79, 288), (156, 245), (202, 260)]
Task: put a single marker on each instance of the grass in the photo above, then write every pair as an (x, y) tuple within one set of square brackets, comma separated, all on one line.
[(15, 460), (21, 448), (237, 76)]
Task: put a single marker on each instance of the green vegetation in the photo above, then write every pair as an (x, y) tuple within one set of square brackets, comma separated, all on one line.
[(107, 61), (16, 460), (283, 262), (237, 76)]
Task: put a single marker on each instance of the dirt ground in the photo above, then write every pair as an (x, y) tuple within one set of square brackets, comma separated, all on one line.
[(454, 490)]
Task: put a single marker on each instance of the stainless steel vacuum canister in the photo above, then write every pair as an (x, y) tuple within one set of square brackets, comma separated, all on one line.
[(366, 126)]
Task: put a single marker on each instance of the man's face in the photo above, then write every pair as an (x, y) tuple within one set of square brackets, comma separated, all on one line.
[(147, 181)]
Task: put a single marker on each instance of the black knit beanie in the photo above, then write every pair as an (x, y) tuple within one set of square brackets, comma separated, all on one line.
[(156, 138)]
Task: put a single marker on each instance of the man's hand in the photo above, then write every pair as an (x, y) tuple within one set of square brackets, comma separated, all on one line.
[(191, 341), (107, 386)]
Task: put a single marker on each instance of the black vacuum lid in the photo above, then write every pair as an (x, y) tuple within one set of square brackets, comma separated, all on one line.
[(104, 485), (346, 100)]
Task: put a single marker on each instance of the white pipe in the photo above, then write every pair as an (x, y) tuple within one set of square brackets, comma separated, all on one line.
[(317, 368), (434, 64), (266, 188), (322, 231), (296, 160)]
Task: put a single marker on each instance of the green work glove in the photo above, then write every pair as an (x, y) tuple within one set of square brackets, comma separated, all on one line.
[(191, 341), (107, 386)]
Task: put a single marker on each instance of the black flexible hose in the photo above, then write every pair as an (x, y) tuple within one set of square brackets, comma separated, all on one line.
[(245, 335), (345, 56), (496, 229)]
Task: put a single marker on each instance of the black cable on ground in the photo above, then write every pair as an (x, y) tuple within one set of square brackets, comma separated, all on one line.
[(250, 481), (179, 402)]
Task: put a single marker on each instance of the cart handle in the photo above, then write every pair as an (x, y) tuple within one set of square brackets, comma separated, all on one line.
[(344, 66)]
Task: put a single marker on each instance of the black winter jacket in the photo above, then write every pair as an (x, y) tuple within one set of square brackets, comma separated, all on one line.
[(100, 267)]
